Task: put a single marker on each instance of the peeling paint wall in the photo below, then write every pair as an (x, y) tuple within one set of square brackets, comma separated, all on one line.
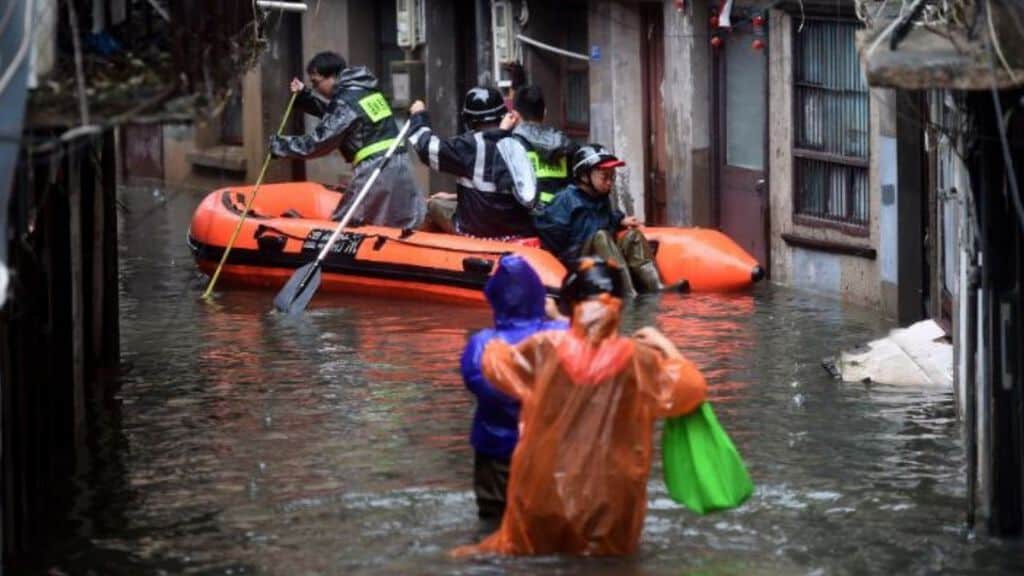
[(616, 110), (686, 91), (780, 141), (888, 222), (443, 100), (852, 278)]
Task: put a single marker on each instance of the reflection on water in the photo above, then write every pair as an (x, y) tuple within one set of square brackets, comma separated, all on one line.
[(242, 441)]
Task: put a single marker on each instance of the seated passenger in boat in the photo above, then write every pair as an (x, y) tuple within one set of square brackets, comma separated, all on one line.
[(495, 186), (581, 221), (356, 120), (589, 396), (516, 296)]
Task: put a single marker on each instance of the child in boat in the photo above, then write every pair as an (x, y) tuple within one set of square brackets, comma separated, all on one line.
[(578, 480), (581, 221), (517, 298)]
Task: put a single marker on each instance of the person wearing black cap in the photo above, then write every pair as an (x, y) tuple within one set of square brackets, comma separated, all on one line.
[(581, 221), (496, 187)]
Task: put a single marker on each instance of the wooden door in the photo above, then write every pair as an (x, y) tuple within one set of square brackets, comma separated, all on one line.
[(653, 58), (741, 104)]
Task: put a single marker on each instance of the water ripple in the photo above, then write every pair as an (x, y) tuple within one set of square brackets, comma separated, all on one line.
[(243, 441)]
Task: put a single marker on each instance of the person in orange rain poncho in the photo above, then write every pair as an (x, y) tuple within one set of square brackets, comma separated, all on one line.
[(578, 480)]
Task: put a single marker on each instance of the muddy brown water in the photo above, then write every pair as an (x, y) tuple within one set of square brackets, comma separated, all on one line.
[(243, 442)]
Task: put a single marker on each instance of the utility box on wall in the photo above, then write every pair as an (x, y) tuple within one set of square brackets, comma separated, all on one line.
[(411, 20), (408, 82)]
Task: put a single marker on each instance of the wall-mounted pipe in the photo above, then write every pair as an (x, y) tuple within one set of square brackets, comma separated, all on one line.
[(550, 48), (284, 6)]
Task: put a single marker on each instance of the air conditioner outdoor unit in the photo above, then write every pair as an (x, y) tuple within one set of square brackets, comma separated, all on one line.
[(411, 20)]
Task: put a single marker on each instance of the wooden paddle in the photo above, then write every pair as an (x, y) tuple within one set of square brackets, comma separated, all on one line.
[(299, 289), (248, 204)]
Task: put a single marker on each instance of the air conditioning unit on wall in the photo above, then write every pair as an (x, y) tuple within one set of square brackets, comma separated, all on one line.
[(411, 23)]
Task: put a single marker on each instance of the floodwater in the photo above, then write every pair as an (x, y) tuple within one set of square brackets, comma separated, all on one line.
[(243, 442)]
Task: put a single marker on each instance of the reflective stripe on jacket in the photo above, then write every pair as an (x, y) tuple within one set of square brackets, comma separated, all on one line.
[(357, 121), (487, 205)]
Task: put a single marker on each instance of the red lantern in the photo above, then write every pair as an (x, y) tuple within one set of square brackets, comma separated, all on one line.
[(758, 21), (680, 5), (714, 21), (716, 42), (757, 44)]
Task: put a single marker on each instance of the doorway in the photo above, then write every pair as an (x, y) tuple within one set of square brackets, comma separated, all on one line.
[(740, 141), (653, 58)]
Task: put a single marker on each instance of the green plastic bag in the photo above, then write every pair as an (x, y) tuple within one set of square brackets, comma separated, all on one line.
[(702, 469)]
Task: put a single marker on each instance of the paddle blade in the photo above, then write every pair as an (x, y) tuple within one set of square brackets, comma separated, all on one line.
[(299, 290)]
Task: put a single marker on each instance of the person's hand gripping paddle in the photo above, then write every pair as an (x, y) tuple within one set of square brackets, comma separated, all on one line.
[(301, 287)]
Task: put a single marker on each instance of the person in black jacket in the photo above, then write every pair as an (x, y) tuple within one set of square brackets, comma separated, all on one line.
[(581, 221), (549, 149), (355, 119), (496, 187)]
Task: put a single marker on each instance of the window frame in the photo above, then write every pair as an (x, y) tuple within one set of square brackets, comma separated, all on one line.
[(846, 225), (575, 130)]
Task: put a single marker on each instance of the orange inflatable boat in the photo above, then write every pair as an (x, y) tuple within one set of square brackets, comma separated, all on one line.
[(289, 223)]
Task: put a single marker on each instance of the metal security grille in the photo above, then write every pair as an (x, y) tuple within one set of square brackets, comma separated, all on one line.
[(831, 104)]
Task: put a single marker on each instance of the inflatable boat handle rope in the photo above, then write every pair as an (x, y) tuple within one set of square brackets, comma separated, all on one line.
[(248, 205)]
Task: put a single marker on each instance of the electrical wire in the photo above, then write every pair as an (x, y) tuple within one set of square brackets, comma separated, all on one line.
[(1011, 171), (995, 42), (26, 38)]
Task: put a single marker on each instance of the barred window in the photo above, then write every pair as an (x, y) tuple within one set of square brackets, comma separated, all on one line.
[(576, 76), (831, 104)]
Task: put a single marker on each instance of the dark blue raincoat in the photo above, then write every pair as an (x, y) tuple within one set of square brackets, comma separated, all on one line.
[(572, 218), (517, 296)]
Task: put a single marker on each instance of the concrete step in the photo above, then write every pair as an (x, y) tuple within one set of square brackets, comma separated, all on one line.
[(230, 158)]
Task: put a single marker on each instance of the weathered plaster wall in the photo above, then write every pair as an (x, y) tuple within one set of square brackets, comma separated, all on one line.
[(686, 96), (780, 142), (851, 278), (254, 134), (616, 110), (544, 68), (888, 222), (443, 100), (177, 141)]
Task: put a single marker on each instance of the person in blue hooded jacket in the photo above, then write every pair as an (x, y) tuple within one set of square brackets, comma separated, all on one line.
[(517, 297)]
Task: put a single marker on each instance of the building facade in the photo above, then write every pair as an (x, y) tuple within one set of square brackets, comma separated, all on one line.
[(756, 120)]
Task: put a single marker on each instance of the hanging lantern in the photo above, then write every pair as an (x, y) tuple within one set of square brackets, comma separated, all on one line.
[(758, 21), (679, 4), (714, 22), (757, 44), (716, 42)]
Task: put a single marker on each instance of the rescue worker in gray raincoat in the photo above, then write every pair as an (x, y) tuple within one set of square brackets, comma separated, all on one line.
[(355, 119)]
